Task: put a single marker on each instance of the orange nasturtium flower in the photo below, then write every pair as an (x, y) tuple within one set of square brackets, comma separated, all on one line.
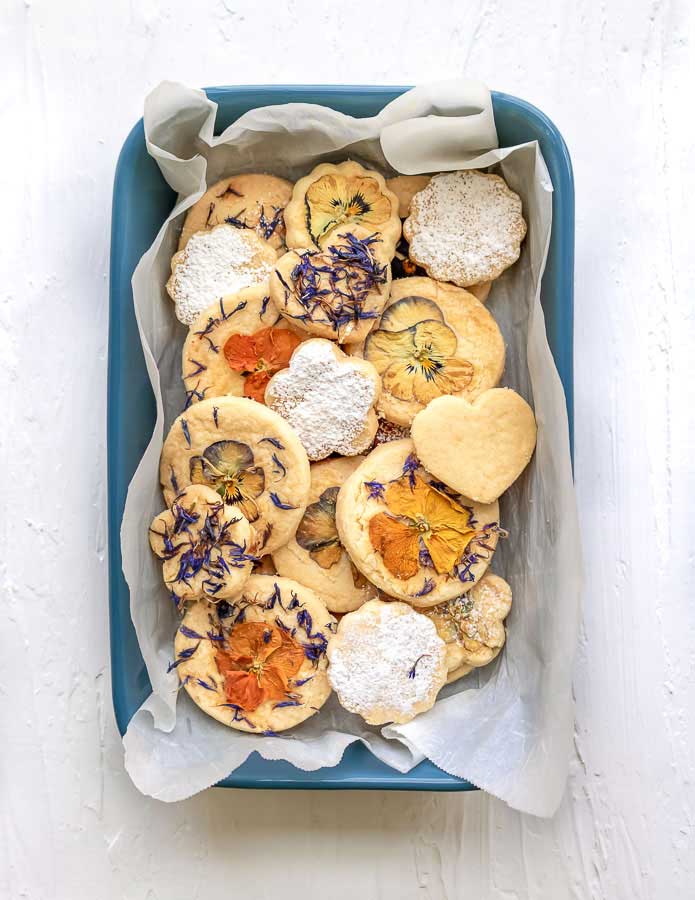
[(259, 356), (420, 512), (257, 664)]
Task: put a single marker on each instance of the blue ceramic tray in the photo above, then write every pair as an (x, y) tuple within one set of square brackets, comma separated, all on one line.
[(141, 202)]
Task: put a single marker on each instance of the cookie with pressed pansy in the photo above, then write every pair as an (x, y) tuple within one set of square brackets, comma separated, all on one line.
[(328, 398), (206, 547), (387, 662), (257, 663), (490, 441), (408, 533), (337, 196), (249, 455), (251, 201), (466, 227), (432, 339), (314, 556), (337, 292), (215, 264), (472, 625), (235, 346)]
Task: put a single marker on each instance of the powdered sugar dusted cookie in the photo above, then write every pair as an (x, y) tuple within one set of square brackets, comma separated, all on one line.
[(249, 455), (386, 662), (328, 398), (250, 201), (314, 556), (337, 292), (472, 625), (204, 545), (335, 196), (258, 663), (214, 264), (408, 534), (465, 227), (489, 441), (235, 346), (432, 339)]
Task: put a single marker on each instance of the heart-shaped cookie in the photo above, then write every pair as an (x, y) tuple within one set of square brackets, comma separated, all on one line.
[(479, 448)]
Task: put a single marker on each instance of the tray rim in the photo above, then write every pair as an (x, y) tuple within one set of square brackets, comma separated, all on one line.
[(270, 774)]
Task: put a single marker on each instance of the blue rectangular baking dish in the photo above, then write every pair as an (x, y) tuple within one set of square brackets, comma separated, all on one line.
[(141, 202)]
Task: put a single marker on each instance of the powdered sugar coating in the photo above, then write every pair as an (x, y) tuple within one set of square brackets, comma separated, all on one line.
[(465, 227), (387, 662), (214, 264), (328, 398)]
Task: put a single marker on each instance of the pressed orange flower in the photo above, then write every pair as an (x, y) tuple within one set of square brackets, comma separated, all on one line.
[(334, 200), (259, 356), (414, 352), (257, 664), (419, 512)]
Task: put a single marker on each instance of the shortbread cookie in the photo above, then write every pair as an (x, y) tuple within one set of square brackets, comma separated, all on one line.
[(258, 663), (465, 227), (314, 556), (215, 264), (250, 201), (249, 455), (235, 346), (405, 187), (432, 339), (489, 442), (205, 546), (408, 534), (387, 662), (472, 625), (335, 293), (480, 291), (328, 398), (334, 196)]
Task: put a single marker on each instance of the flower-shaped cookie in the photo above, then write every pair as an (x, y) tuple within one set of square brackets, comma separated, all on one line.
[(433, 339), (249, 201), (472, 626), (215, 264), (205, 546), (337, 292), (234, 346), (328, 398), (465, 227), (334, 196)]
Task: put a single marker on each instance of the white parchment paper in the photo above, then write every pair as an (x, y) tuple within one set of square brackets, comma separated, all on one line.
[(506, 728)]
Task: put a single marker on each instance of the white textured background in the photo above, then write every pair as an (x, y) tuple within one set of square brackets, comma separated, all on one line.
[(618, 78)]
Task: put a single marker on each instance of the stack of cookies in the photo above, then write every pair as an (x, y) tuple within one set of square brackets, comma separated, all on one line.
[(332, 485)]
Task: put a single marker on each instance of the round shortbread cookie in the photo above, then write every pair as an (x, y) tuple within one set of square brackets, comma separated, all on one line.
[(328, 398), (386, 662), (335, 196), (205, 546), (465, 227), (215, 264), (489, 442), (249, 455), (432, 339), (235, 346), (405, 187), (258, 663), (408, 534), (337, 292), (472, 625), (250, 201), (314, 556)]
